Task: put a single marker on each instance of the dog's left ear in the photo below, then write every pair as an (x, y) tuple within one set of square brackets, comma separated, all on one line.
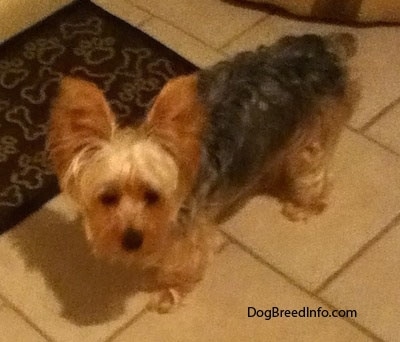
[(81, 121)]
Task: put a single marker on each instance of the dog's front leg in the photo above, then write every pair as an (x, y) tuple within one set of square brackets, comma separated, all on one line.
[(183, 267), (176, 278)]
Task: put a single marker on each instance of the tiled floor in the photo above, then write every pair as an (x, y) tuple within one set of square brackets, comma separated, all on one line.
[(52, 289)]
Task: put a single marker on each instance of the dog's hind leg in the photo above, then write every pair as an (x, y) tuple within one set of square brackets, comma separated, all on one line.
[(306, 183), (306, 165)]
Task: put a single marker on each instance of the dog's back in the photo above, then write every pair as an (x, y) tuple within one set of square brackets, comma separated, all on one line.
[(257, 100)]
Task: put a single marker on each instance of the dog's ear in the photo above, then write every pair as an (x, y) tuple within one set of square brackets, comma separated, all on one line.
[(81, 122)]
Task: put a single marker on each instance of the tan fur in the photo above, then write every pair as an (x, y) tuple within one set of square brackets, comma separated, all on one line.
[(80, 117), (177, 119), (93, 158), (307, 158)]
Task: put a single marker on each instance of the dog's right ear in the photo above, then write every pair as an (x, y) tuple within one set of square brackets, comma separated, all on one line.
[(81, 122)]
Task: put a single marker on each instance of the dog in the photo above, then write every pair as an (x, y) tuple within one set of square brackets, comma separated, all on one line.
[(264, 122)]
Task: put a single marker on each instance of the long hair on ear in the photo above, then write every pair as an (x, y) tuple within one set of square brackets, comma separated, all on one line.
[(81, 122)]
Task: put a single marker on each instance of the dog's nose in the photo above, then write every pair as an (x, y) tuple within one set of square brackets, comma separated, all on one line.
[(132, 239)]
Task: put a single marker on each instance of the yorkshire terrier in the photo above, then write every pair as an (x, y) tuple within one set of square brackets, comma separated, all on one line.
[(262, 122)]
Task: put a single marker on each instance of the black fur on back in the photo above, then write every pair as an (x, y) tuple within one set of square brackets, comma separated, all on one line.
[(257, 99)]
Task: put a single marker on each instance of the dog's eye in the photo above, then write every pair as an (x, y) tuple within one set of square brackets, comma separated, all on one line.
[(109, 198), (151, 196)]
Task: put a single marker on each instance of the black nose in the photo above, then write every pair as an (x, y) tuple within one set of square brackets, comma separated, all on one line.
[(132, 239)]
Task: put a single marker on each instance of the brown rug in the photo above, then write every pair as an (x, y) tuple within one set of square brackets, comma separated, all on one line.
[(82, 40)]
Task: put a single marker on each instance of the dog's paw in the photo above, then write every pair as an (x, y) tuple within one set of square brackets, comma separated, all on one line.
[(166, 300)]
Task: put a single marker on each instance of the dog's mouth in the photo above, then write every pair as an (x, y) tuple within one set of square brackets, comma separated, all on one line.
[(125, 250), (129, 246)]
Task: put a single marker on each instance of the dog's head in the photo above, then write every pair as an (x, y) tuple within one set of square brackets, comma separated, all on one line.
[(124, 182)]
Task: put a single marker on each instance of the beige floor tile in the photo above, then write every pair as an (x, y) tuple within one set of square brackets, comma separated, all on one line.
[(363, 201), (14, 328), (214, 22), (371, 285), (387, 128), (217, 310), (124, 9), (17, 15), (47, 271), (377, 61), (188, 47)]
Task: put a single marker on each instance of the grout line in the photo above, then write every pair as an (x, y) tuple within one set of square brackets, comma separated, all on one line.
[(144, 311), (240, 34), (364, 248), (171, 23), (126, 325), (9, 304), (224, 246), (372, 140), (380, 114), (261, 260)]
